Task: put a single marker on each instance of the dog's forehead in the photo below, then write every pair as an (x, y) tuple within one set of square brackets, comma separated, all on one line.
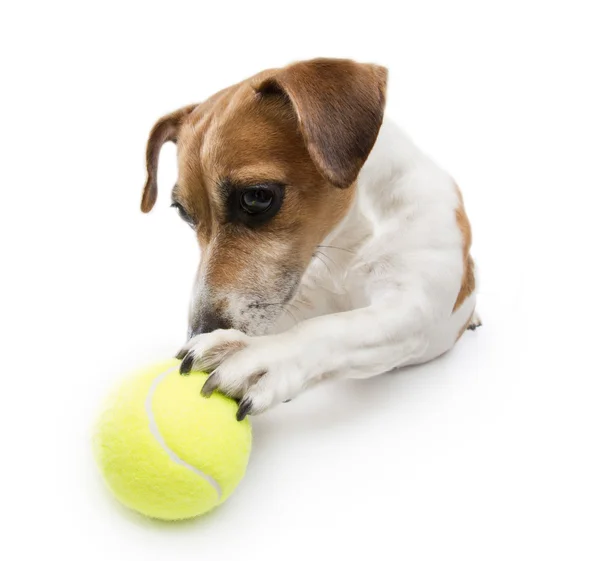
[(240, 135)]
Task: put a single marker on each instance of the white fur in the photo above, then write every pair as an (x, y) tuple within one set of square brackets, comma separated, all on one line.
[(380, 297)]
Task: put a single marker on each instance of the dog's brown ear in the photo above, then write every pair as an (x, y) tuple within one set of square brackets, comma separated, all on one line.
[(166, 129), (339, 104)]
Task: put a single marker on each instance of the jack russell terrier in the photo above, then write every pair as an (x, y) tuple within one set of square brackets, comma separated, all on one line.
[(330, 245)]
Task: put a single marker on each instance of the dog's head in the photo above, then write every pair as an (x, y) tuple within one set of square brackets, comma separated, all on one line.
[(267, 168)]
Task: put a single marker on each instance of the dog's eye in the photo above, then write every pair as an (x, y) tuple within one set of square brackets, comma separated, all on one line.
[(254, 205), (183, 214), (257, 200)]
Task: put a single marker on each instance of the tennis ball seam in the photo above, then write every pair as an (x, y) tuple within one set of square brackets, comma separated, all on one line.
[(155, 431)]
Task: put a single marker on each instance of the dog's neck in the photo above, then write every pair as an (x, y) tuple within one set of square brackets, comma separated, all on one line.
[(334, 281), (393, 158)]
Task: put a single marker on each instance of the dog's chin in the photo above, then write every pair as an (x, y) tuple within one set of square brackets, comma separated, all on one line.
[(256, 330), (269, 320), (267, 325)]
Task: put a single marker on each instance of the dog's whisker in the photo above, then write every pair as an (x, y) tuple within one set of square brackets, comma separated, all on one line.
[(335, 247), (302, 302), (323, 261), (328, 257), (295, 307), (294, 318), (264, 304)]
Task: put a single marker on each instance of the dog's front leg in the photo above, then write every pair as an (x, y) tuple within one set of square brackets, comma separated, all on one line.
[(264, 371)]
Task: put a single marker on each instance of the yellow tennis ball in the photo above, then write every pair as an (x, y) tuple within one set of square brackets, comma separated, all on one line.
[(167, 451)]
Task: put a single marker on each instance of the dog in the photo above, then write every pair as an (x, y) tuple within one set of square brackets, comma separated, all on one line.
[(330, 245)]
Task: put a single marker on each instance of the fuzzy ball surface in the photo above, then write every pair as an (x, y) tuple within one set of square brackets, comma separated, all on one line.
[(166, 451)]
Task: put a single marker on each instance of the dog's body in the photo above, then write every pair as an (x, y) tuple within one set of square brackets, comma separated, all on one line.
[(401, 240), (326, 252)]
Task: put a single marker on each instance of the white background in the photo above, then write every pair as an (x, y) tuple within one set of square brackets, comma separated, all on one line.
[(491, 452)]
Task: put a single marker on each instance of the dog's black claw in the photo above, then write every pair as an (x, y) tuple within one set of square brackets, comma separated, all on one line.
[(473, 326), (243, 409), (207, 387), (186, 365), (181, 354), (210, 385), (287, 400)]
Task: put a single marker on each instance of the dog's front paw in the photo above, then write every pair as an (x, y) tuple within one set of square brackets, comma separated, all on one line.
[(259, 371), (207, 351)]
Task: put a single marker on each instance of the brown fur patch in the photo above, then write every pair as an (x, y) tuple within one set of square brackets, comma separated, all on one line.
[(339, 104), (468, 279), (166, 129)]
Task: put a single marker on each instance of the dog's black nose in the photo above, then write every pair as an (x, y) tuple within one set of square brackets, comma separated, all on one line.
[(207, 322)]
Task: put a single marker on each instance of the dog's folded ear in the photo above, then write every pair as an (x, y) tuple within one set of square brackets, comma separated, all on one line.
[(166, 129), (339, 105)]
